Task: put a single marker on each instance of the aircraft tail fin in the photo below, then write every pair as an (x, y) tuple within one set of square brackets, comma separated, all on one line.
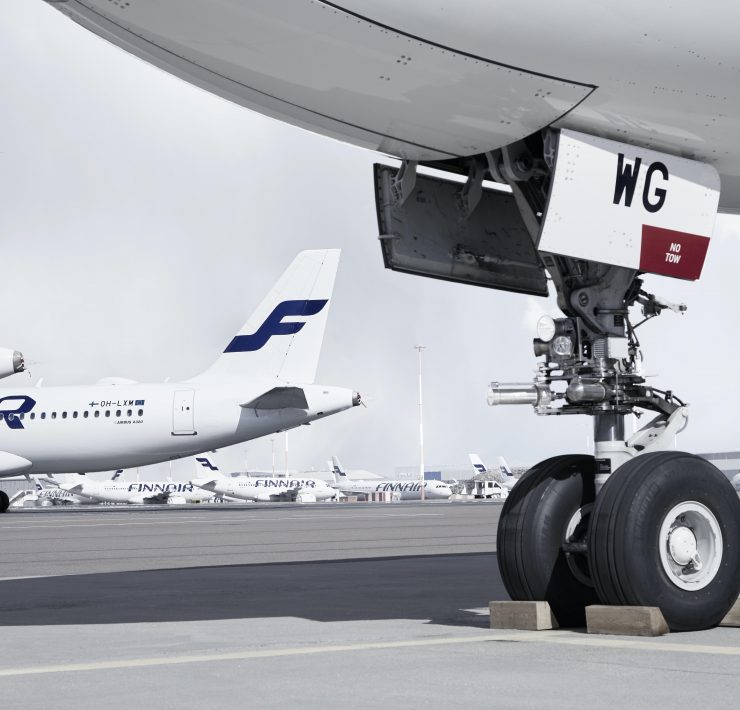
[(282, 338), (337, 468), (478, 465), (505, 469)]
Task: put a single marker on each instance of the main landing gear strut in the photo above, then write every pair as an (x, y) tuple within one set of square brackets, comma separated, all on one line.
[(637, 523)]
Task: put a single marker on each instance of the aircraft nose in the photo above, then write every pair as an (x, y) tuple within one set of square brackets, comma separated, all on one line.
[(206, 483)]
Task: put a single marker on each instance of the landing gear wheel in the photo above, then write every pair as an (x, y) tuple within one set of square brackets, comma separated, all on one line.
[(547, 508), (4, 501), (664, 532)]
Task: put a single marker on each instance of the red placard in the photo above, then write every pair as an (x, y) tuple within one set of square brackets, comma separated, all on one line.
[(672, 253)]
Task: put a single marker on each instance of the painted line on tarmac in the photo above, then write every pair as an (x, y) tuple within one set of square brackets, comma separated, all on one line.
[(526, 637), (216, 520)]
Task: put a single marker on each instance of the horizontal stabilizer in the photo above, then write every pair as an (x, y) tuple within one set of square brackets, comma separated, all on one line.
[(279, 398)]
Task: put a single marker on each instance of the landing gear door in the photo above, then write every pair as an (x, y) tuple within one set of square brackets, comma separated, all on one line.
[(183, 413), (431, 227), (619, 204)]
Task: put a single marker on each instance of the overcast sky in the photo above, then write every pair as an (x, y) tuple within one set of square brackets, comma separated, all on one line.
[(143, 219)]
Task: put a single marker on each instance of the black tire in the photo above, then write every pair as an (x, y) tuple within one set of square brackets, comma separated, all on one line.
[(531, 533), (627, 549), (4, 501)]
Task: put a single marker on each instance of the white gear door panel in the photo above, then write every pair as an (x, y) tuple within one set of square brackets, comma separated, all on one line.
[(629, 206), (183, 413)]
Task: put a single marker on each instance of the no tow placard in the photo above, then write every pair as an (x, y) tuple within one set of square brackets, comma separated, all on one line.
[(634, 207)]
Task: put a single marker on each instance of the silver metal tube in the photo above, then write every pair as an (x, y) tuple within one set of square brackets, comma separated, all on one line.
[(514, 393), (579, 391), (608, 427)]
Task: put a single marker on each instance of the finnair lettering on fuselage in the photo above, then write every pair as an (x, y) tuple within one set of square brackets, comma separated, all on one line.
[(160, 488), (399, 487), (54, 493), (284, 483)]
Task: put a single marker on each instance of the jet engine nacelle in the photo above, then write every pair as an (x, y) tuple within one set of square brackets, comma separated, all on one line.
[(11, 361)]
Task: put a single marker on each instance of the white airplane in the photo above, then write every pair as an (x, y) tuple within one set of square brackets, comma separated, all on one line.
[(612, 135), (405, 489), (261, 488), (479, 467), (41, 496), (259, 385), (117, 490), (54, 493), (266, 489)]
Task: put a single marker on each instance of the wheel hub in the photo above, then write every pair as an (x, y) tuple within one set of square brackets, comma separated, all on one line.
[(682, 546), (690, 545), (574, 538)]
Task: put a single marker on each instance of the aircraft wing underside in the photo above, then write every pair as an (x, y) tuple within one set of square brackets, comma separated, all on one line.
[(400, 94)]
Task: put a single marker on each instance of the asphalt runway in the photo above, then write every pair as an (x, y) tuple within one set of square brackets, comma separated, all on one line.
[(314, 606)]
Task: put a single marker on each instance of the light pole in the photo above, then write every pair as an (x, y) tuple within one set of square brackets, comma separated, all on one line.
[(418, 349), (286, 453), (272, 441)]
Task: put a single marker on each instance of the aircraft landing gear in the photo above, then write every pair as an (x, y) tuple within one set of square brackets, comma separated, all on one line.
[(664, 532), (4, 501), (637, 524), (544, 515)]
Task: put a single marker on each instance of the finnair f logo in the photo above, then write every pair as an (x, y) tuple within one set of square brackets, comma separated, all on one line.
[(479, 467), (11, 407), (117, 474), (273, 325), (206, 464)]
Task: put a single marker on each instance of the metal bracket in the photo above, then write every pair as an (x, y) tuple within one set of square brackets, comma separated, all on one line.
[(472, 191), (658, 433), (404, 183)]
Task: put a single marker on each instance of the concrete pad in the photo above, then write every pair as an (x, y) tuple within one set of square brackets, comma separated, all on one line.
[(626, 620), (524, 616), (733, 616)]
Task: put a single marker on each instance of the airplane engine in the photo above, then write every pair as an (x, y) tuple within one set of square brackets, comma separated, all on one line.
[(11, 362)]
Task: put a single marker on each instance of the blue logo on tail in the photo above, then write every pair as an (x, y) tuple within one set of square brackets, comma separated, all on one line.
[(206, 464), (273, 325)]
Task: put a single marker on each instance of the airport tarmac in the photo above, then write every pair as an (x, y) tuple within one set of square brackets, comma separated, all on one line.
[(314, 606)]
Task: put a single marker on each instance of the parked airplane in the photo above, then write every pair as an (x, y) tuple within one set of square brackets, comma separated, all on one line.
[(49, 489), (404, 489), (267, 489), (138, 492), (39, 496), (259, 385), (336, 468), (508, 475), (612, 138)]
